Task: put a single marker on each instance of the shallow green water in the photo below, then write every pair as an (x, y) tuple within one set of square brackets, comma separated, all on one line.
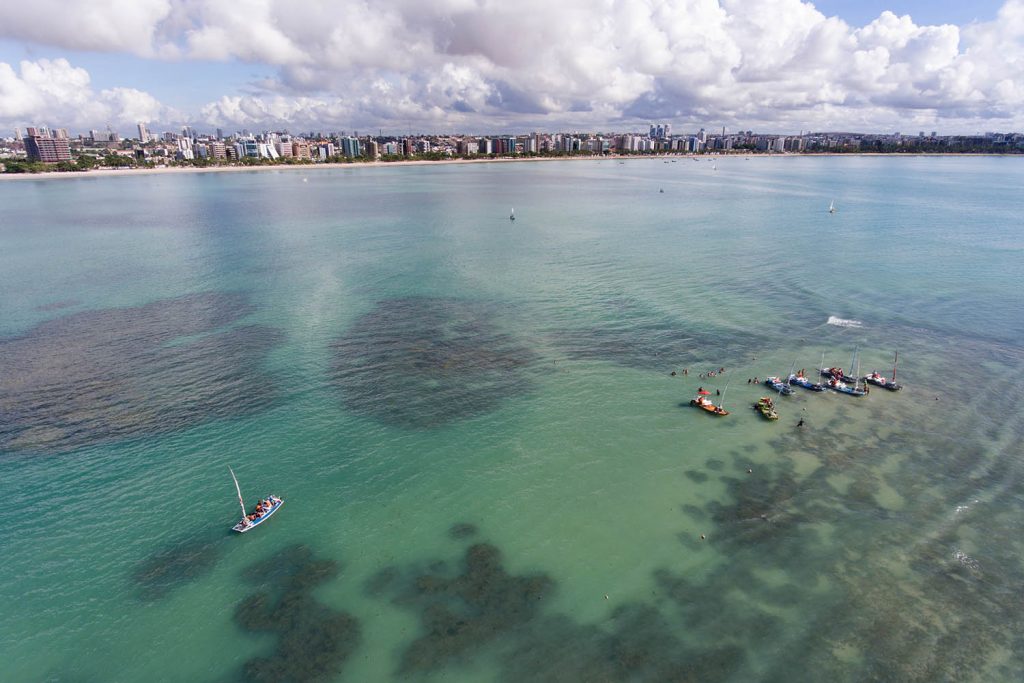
[(391, 355)]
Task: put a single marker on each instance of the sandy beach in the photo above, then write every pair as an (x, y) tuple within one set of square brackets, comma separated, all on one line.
[(113, 172)]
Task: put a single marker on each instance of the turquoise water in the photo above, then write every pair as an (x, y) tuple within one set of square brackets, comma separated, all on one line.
[(489, 472)]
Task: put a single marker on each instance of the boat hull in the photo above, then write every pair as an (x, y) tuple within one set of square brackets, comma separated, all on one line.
[(779, 386), (884, 383), (841, 377), (707, 408), (242, 528), (848, 391), (806, 384)]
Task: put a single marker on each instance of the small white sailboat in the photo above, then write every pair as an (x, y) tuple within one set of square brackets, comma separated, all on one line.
[(512, 216), (832, 206), (264, 509)]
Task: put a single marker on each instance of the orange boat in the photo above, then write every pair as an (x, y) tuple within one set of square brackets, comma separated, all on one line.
[(704, 403)]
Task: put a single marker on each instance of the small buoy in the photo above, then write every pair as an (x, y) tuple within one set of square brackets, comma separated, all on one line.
[(702, 537), (605, 596)]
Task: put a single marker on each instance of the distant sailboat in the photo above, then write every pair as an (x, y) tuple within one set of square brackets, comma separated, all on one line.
[(512, 216), (832, 206)]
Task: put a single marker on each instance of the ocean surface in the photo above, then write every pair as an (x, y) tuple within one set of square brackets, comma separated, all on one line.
[(490, 472)]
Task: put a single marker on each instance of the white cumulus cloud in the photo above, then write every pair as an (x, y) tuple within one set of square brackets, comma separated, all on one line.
[(56, 93), (487, 65)]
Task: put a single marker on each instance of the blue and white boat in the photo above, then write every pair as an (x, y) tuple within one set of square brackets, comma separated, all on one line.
[(844, 388), (801, 381), (264, 509), (778, 385)]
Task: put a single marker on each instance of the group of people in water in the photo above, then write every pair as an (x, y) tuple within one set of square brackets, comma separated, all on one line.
[(703, 375)]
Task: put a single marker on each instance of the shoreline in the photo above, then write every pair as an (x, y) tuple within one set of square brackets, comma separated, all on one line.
[(171, 170)]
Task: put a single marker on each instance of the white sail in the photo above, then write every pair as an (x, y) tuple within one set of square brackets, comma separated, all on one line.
[(832, 206), (238, 488)]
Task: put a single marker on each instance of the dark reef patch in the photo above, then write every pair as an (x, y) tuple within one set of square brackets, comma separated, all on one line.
[(313, 641), (635, 336), (460, 614), (483, 608), (181, 563), (106, 375), (696, 476), (424, 362)]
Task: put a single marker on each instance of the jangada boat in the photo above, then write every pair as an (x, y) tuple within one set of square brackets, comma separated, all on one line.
[(801, 381), (843, 388), (264, 509), (766, 407), (837, 374), (704, 403), (878, 380), (778, 385)]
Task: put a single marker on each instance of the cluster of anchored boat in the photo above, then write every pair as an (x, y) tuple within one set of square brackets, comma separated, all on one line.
[(835, 379)]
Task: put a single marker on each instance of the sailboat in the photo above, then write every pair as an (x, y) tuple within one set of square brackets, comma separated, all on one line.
[(838, 379), (704, 403), (832, 206), (778, 385), (878, 380), (799, 380), (512, 216), (264, 509)]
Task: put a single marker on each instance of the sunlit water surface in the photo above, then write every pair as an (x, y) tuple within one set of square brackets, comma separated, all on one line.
[(490, 473)]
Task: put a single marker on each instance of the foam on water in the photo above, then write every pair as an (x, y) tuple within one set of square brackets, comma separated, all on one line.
[(843, 322)]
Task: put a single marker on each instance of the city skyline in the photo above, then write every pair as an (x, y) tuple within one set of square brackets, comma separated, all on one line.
[(779, 66)]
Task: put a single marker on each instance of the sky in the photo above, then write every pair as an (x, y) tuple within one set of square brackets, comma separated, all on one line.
[(488, 66)]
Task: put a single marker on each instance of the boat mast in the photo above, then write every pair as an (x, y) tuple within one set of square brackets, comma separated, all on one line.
[(721, 402), (856, 374), (895, 360), (237, 488)]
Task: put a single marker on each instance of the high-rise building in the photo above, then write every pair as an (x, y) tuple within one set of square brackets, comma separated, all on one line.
[(62, 134), (46, 148), (408, 147), (350, 147), (300, 149), (143, 133)]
